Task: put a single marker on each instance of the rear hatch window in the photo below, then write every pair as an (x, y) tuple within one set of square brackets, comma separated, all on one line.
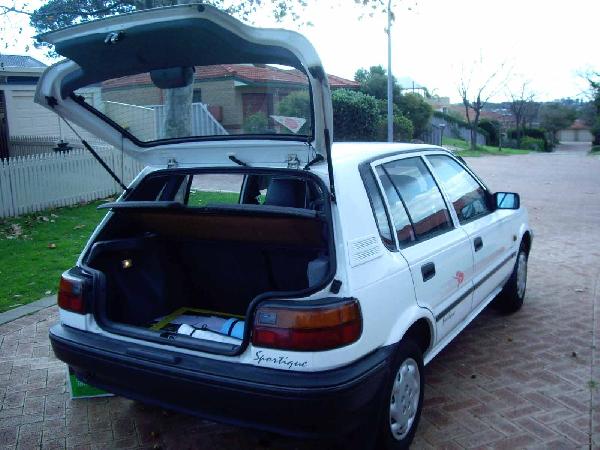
[(222, 100)]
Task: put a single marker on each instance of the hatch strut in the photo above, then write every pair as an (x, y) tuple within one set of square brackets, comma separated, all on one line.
[(97, 157)]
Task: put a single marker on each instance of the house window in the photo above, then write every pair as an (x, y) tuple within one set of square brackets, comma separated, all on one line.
[(197, 95)]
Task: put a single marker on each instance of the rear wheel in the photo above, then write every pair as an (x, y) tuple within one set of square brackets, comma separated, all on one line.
[(512, 295), (403, 400)]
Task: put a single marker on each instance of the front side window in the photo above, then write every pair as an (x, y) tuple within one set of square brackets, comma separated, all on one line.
[(466, 194), (419, 193)]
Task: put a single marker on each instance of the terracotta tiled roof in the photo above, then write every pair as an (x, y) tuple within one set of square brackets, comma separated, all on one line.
[(579, 125), (251, 73)]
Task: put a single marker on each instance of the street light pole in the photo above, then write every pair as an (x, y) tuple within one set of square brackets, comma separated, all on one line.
[(390, 91)]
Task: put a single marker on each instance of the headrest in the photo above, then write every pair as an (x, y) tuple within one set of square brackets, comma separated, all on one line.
[(286, 192)]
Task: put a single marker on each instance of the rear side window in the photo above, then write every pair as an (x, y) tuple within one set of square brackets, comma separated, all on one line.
[(466, 194), (416, 188), (378, 207), (402, 224)]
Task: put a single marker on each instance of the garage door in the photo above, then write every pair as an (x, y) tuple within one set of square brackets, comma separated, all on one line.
[(567, 136)]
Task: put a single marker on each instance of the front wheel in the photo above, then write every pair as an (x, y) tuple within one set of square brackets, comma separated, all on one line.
[(401, 408), (511, 298)]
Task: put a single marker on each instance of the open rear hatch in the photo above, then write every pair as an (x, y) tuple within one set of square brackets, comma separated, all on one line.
[(180, 264), (178, 84)]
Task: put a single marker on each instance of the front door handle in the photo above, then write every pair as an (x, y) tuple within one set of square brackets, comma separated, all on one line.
[(428, 271), (478, 244)]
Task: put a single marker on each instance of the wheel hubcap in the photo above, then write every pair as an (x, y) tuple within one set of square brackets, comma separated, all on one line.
[(404, 400), (521, 274)]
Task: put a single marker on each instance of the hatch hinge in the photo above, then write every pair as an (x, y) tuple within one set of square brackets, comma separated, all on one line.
[(172, 163), (293, 162), (51, 101)]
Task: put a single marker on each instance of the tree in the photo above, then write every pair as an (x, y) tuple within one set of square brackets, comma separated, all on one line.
[(374, 82), (474, 98), (411, 106), (555, 117), (593, 79), (519, 105)]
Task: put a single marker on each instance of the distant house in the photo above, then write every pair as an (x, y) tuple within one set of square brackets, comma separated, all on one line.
[(232, 92), (577, 132)]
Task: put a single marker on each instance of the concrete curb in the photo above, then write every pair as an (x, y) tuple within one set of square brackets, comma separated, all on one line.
[(25, 310)]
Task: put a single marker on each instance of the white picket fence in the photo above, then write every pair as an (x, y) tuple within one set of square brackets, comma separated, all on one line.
[(37, 182)]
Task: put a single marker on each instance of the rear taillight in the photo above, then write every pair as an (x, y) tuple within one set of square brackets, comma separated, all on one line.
[(310, 327), (70, 293)]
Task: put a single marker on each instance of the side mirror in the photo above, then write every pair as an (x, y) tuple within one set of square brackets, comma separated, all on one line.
[(507, 200)]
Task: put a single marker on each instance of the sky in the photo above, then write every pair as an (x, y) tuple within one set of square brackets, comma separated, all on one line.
[(544, 43)]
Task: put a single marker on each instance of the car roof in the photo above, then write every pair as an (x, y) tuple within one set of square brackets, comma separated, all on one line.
[(357, 152)]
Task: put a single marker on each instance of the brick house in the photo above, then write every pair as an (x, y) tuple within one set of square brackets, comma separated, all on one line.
[(232, 92)]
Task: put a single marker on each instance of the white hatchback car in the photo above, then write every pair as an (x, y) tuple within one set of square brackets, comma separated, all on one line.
[(253, 273)]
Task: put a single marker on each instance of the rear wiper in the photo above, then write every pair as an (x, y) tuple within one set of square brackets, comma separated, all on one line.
[(238, 161), (315, 160)]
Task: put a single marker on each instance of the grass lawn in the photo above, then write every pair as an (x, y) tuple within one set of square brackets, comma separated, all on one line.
[(463, 149), (595, 150), (36, 248)]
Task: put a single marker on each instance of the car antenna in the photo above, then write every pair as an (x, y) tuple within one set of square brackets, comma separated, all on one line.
[(89, 148)]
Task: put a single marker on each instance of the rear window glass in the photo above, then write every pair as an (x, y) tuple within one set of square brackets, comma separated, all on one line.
[(198, 190), (225, 99), (215, 188)]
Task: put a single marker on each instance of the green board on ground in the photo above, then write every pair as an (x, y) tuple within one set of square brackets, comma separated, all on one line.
[(79, 389)]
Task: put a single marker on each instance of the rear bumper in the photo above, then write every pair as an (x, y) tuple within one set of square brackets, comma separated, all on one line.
[(307, 404)]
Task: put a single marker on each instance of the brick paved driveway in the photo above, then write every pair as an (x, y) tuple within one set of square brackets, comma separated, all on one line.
[(527, 380)]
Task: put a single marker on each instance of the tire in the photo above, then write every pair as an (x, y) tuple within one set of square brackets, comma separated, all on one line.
[(402, 393), (511, 297)]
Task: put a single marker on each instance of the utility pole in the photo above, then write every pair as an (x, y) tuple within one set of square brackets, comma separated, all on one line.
[(390, 90)]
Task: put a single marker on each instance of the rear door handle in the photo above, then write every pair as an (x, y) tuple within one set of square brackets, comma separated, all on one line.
[(478, 244), (428, 271)]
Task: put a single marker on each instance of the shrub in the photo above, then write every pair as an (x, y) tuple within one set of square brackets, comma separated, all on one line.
[(416, 109), (536, 133), (296, 104), (355, 116), (257, 123), (595, 149), (491, 128), (529, 143), (403, 128)]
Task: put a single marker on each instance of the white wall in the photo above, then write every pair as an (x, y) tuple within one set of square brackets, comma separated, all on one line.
[(26, 118)]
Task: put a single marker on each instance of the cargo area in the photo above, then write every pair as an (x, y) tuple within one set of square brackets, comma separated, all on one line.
[(165, 265)]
